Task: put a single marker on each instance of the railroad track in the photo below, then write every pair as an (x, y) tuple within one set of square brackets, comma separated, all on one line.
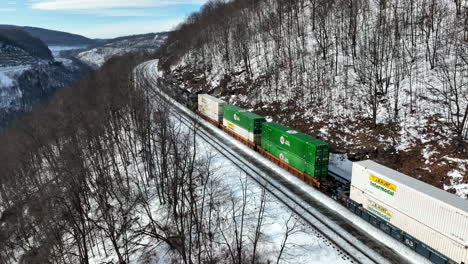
[(354, 244)]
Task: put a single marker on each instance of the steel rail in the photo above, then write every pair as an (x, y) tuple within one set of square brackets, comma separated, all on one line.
[(231, 154)]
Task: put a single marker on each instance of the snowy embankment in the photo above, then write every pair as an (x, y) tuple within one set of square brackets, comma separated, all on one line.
[(340, 163)]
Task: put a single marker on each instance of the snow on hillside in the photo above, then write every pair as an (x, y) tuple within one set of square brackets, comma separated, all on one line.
[(376, 81), (94, 57), (97, 56), (24, 85), (10, 95)]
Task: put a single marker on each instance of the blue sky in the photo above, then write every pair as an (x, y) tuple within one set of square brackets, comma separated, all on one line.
[(98, 18)]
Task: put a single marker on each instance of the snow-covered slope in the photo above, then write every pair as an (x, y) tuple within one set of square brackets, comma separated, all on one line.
[(383, 81), (10, 94), (26, 80)]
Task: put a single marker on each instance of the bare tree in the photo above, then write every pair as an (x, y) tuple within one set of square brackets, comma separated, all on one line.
[(290, 229)]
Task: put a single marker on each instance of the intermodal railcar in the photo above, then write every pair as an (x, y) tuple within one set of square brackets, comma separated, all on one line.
[(428, 220)]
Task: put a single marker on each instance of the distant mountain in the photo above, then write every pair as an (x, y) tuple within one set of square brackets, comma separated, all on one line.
[(29, 73), (16, 44), (97, 55), (137, 41), (54, 38)]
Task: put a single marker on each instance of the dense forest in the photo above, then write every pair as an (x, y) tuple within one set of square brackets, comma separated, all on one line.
[(44, 187), (103, 174), (380, 79)]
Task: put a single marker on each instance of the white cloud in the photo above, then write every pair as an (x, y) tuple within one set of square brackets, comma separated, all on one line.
[(103, 4), (128, 28), (119, 12)]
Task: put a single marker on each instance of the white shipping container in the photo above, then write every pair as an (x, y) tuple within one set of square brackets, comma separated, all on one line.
[(211, 106), (242, 132), (424, 233), (435, 217)]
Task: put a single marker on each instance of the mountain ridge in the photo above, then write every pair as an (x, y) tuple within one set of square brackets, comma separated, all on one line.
[(25, 41), (29, 73), (55, 37), (96, 55)]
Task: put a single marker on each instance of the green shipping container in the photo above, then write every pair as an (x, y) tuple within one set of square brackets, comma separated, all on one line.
[(318, 172), (243, 118), (312, 150)]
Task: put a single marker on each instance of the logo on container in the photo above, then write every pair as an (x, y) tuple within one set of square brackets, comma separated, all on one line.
[(382, 185), (379, 210), (236, 117), (283, 158), (284, 141)]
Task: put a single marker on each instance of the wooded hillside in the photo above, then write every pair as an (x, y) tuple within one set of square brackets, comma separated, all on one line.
[(386, 80), (105, 173), (16, 37)]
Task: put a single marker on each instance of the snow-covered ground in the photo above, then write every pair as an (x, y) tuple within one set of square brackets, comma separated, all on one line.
[(457, 179), (304, 245)]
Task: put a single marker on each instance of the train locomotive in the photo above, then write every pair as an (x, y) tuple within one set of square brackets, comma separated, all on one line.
[(430, 221)]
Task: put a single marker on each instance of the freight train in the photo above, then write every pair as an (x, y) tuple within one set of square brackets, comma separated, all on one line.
[(430, 221)]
